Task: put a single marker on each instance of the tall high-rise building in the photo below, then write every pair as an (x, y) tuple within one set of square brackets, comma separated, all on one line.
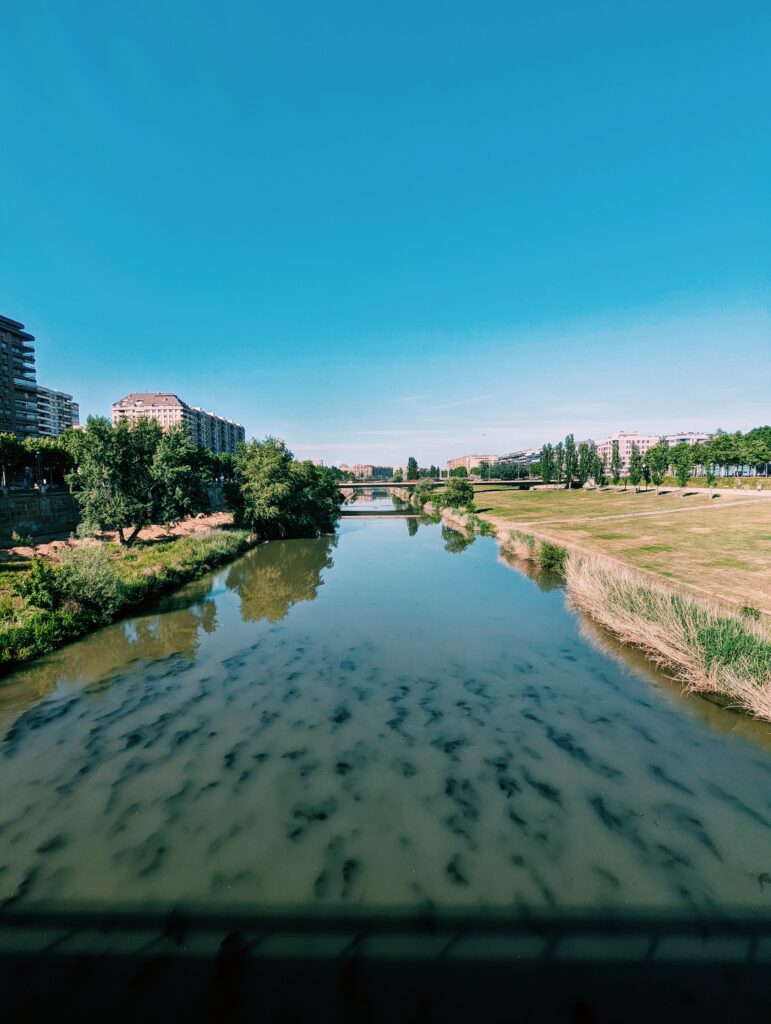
[(18, 384), (56, 412), (206, 429)]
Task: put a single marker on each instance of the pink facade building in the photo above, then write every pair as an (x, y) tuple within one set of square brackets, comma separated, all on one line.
[(625, 439), (469, 462)]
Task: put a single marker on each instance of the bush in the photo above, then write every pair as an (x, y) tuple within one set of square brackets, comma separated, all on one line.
[(458, 493), (552, 557), (88, 577), (40, 586)]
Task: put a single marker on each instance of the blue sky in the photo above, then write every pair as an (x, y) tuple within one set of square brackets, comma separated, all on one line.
[(383, 229)]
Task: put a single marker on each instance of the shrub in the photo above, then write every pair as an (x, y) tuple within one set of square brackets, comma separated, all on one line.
[(552, 557), (88, 577), (751, 612), (458, 494), (40, 586)]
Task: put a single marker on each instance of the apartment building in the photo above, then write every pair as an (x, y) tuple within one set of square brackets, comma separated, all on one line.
[(18, 383), (469, 462), (205, 428), (625, 440), (56, 412), (523, 457), (686, 437), (369, 472)]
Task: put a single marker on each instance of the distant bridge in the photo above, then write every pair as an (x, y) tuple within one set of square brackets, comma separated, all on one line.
[(368, 485)]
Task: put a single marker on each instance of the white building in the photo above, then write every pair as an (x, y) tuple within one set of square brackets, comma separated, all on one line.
[(206, 429), (686, 437), (56, 412)]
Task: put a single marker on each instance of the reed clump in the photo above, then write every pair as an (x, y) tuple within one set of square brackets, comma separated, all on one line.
[(708, 647)]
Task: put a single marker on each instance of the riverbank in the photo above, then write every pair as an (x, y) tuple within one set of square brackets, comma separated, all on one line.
[(709, 647), (54, 593)]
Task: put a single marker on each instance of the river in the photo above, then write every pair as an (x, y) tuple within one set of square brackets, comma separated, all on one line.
[(390, 718)]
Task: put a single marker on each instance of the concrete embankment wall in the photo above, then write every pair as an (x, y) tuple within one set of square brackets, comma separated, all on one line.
[(37, 513), (44, 513)]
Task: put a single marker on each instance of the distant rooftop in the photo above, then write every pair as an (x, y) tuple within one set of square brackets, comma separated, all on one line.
[(164, 399)]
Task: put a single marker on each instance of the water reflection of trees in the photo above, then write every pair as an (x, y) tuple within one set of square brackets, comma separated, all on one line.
[(174, 627), (455, 541), (278, 575)]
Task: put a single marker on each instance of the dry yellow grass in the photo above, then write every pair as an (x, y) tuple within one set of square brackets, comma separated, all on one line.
[(709, 649), (720, 548)]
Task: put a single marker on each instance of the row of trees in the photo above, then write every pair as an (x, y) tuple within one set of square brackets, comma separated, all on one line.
[(731, 454), (132, 475)]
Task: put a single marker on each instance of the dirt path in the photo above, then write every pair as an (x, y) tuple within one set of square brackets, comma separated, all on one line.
[(184, 528)]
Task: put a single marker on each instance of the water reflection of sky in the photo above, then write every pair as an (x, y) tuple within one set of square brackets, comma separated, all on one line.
[(368, 722)]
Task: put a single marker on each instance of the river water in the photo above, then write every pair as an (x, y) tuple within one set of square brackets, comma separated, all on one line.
[(390, 718)]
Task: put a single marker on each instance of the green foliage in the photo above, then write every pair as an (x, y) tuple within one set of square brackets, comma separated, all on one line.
[(49, 458), (635, 465), (615, 463), (571, 460), (547, 463), (12, 455), (585, 465), (552, 557), (41, 586), (559, 461), (422, 493), (280, 497), (87, 575), (598, 470), (460, 472), (131, 475), (682, 460), (458, 493), (749, 611), (412, 468), (657, 461), (52, 605)]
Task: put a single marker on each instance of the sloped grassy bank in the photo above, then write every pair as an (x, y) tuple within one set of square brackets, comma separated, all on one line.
[(48, 604), (708, 647)]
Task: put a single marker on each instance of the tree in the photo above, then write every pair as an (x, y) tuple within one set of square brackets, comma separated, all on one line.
[(547, 463), (586, 452), (179, 476), (598, 470), (459, 471), (615, 463), (484, 471), (656, 461), (571, 462), (559, 461), (49, 458), (412, 468), (11, 455), (280, 497), (458, 493), (635, 465), (682, 460), (131, 475)]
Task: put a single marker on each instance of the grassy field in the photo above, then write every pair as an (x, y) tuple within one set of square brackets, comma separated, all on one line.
[(718, 547)]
